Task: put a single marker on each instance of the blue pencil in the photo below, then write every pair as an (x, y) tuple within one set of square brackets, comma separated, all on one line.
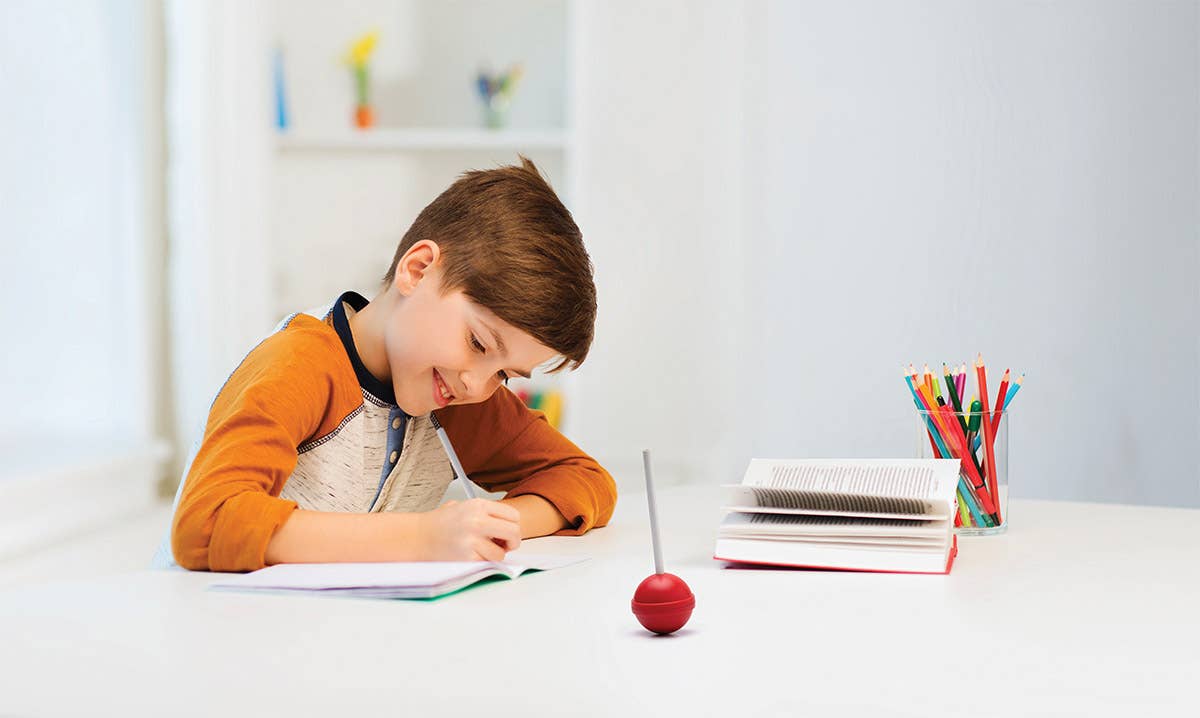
[(1013, 392), (933, 432)]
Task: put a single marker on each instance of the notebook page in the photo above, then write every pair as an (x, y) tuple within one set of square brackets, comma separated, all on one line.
[(319, 576), (410, 574), (520, 561)]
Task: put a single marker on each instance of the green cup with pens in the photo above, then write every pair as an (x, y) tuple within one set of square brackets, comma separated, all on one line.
[(975, 432)]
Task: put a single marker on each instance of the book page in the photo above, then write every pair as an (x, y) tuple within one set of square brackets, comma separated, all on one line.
[(895, 478), (804, 525), (754, 499), (835, 532), (857, 487)]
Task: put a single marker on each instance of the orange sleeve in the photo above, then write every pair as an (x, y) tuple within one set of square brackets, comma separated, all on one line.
[(505, 446), (283, 393)]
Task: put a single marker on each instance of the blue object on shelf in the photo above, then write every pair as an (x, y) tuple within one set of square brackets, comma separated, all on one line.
[(281, 114)]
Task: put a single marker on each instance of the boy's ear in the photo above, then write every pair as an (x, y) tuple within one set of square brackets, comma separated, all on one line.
[(416, 266)]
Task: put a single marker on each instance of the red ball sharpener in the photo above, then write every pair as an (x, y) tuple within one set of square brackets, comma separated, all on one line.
[(663, 603)]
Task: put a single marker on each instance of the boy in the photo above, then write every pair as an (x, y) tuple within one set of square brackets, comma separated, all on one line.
[(319, 447)]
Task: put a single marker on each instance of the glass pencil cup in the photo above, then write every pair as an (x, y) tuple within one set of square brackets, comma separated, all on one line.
[(981, 508)]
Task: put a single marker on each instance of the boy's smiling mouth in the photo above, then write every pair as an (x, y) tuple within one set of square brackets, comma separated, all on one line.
[(442, 396)]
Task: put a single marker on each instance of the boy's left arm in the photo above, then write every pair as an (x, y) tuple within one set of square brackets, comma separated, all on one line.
[(505, 446)]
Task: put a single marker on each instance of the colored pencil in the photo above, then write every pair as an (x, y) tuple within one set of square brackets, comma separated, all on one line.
[(960, 440), (938, 431), (948, 429), (1000, 395), (938, 450), (988, 437), (955, 397), (974, 418), (973, 503), (1013, 391)]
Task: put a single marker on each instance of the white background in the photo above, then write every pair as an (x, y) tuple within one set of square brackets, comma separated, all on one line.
[(906, 182), (784, 202)]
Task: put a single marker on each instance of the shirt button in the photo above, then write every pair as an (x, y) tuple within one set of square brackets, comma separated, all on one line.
[(396, 423), (395, 455)]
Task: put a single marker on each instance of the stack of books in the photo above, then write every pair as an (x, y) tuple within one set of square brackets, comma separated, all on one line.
[(858, 514)]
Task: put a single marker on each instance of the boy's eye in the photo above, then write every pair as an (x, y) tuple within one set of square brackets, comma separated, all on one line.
[(478, 347)]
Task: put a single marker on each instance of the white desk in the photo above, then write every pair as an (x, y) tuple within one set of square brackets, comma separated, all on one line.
[(1079, 609)]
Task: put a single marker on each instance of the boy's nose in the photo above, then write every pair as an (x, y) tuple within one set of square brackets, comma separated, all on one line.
[(470, 385), (475, 385)]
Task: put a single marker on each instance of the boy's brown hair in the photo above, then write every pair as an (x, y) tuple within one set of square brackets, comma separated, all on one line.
[(511, 246)]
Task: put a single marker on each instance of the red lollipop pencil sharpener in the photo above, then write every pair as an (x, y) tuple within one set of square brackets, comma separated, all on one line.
[(663, 602)]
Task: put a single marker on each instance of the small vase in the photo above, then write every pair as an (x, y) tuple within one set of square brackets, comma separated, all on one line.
[(495, 112), (364, 117)]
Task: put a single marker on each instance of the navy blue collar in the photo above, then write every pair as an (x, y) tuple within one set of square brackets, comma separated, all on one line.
[(381, 390)]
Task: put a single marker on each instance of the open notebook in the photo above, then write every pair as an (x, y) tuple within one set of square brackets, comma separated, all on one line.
[(417, 579), (855, 514)]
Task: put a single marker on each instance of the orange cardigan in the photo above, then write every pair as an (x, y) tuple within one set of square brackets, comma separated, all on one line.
[(300, 388)]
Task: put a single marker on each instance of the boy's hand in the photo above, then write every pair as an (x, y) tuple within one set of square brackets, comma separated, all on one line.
[(471, 530)]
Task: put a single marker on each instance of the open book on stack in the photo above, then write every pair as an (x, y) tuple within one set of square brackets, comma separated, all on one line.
[(854, 514)]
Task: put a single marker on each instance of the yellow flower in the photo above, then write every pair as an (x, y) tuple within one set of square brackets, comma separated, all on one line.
[(360, 51)]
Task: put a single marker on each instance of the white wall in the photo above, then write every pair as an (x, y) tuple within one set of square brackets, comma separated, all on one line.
[(1043, 154), (770, 192), (81, 248), (78, 237), (218, 173), (660, 138), (786, 201)]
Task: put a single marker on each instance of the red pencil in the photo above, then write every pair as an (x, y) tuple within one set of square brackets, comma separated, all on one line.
[(988, 436), (1000, 402), (954, 438), (977, 481)]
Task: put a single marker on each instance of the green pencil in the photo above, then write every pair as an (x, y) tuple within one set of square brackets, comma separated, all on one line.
[(955, 401)]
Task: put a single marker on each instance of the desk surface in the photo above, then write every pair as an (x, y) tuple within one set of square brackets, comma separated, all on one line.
[(1079, 609)]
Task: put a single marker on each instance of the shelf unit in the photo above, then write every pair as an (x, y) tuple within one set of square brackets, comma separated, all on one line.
[(343, 197), (426, 138)]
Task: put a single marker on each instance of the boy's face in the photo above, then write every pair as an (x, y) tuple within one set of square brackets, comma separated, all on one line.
[(445, 349)]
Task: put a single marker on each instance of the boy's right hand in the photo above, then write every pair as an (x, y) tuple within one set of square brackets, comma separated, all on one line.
[(471, 530)]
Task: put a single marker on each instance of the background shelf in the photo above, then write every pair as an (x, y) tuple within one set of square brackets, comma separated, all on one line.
[(409, 139)]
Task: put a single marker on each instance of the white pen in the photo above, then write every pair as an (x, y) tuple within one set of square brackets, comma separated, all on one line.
[(454, 462)]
